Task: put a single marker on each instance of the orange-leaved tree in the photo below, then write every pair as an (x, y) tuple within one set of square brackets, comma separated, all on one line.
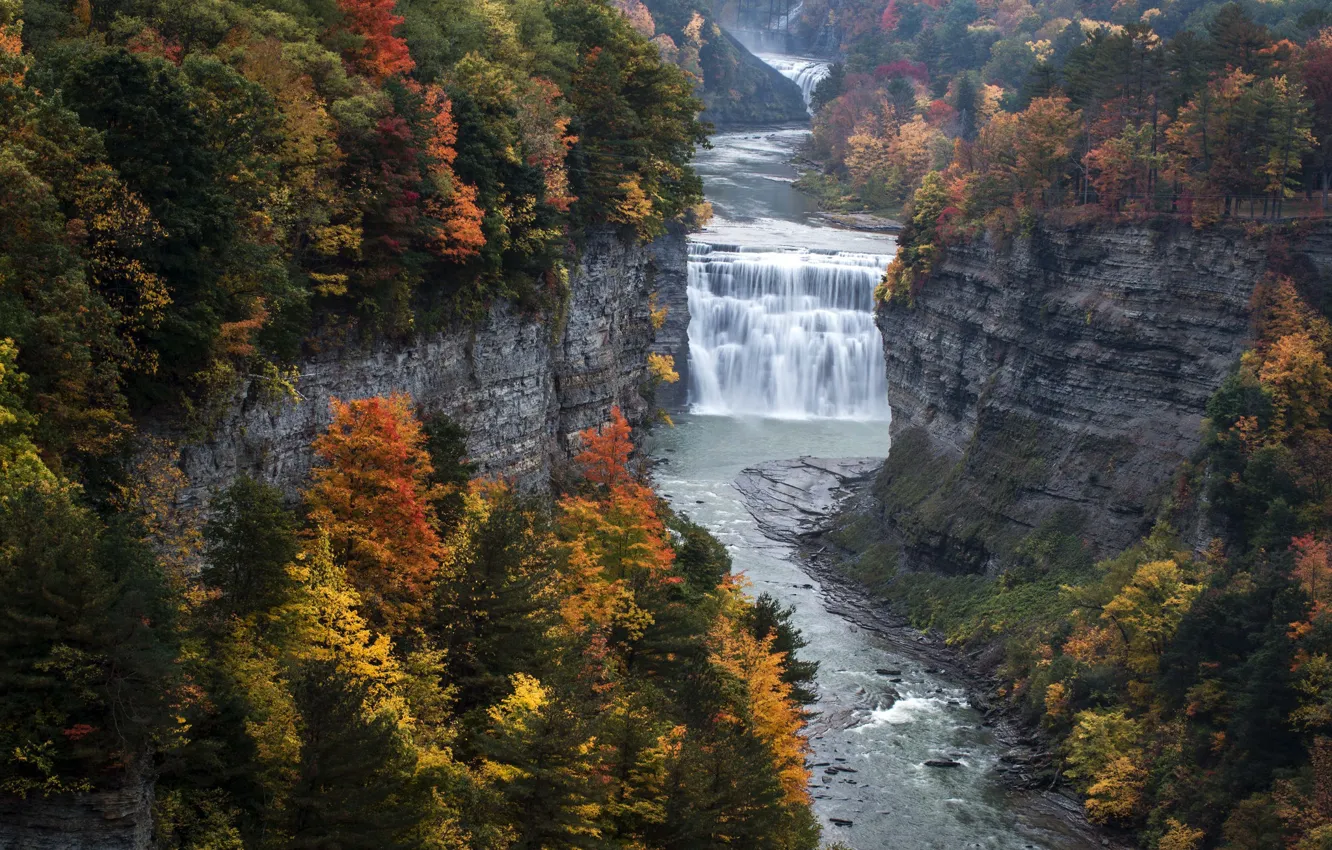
[(1044, 145), (606, 450), (371, 496), (764, 703), (458, 234), (615, 542), (375, 51)]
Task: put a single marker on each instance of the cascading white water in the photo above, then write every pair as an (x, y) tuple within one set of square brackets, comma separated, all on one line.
[(785, 332), (805, 73)]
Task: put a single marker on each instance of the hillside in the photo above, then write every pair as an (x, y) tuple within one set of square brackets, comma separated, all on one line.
[(1106, 481), (738, 89), (325, 329)]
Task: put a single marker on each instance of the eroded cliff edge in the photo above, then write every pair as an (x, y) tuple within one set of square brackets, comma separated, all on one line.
[(521, 384), (1068, 370)]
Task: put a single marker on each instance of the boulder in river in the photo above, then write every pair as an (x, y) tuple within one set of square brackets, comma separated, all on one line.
[(942, 763)]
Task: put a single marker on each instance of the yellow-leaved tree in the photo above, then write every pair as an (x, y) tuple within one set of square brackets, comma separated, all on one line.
[(1107, 761)]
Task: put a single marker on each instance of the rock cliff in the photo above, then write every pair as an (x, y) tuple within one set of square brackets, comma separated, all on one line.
[(119, 819), (1066, 370), (738, 88), (522, 385), (671, 285)]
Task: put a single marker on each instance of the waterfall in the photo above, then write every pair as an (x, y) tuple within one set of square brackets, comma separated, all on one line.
[(805, 73), (785, 332)]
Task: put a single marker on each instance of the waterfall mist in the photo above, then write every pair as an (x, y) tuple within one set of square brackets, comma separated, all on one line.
[(785, 332)]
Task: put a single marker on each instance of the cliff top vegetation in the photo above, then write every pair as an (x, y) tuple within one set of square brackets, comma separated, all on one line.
[(979, 116)]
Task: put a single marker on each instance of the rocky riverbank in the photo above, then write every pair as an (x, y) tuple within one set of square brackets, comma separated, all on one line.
[(793, 501)]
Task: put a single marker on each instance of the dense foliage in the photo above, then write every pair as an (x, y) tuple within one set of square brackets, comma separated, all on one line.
[(1188, 109), (191, 189), (373, 672), (195, 193)]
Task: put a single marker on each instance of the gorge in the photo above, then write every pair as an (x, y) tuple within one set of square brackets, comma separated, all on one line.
[(350, 498), (784, 360)]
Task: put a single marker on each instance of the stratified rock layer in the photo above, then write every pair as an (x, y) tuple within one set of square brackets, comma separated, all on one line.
[(522, 385), (1069, 369), (671, 287), (119, 819)]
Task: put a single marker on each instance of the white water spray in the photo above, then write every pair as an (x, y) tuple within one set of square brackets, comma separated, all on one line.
[(785, 333)]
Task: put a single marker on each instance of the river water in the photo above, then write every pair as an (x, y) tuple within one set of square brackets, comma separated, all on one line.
[(783, 351)]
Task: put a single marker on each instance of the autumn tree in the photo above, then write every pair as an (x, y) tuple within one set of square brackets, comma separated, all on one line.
[(919, 242), (774, 715), (368, 27), (458, 234), (1298, 375), (1045, 137), (371, 496), (1121, 166), (1106, 759), (614, 540)]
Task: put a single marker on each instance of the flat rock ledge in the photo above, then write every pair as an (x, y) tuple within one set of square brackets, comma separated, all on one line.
[(792, 498)]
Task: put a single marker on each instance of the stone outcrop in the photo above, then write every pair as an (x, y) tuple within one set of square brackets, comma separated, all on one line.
[(741, 90), (119, 819), (671, 285), (522, 384), (1063, 373), (792, 498)]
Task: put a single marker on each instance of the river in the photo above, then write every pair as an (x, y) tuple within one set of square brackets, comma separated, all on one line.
[(783, 359)]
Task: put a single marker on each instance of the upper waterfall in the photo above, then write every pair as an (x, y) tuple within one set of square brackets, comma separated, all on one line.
[(806, 73), (785, 332)]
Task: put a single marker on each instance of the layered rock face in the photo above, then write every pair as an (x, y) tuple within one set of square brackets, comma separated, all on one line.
[(522, 385), (671, 286), (120, 819), (1066, 370)]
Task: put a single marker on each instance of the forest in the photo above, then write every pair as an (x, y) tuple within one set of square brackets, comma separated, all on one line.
[(979, 117), (194, 195)]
